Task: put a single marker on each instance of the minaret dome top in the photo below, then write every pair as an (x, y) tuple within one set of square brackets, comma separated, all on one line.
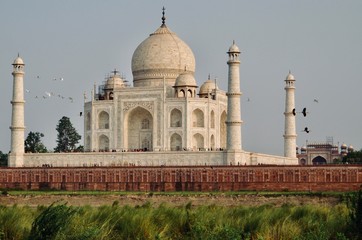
[(234, 48), (18, 61)]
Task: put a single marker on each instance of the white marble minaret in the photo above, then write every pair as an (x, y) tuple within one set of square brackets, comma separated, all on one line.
[(233, 122), (16, 156), (290, 136)]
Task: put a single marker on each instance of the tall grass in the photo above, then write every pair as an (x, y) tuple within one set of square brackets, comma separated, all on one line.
[(60, 221)]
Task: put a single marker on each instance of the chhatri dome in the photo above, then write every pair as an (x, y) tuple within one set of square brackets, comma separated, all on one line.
[(162, 55), (208, 86)]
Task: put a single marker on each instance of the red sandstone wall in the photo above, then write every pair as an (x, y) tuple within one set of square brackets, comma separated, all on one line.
[(187, 178)]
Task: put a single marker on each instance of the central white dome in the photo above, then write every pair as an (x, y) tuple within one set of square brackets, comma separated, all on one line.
[(162, 55)]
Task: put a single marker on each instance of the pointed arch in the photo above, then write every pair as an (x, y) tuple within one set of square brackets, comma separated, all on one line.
[(197, 118), (139, 125), (198, 141), (319, 160), (175, 142), (103, 120), (181, 94), (189, 93), (103, 143), (176, 118), (223, 131)]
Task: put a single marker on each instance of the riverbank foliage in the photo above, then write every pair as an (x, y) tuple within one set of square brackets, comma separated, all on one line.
[(60, 221)]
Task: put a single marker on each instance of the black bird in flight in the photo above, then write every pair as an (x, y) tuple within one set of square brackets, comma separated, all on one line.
[(304, 112), (306, 130), (293, 111)]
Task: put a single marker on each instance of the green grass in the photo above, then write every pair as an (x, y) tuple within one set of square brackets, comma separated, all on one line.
[(60, 221)]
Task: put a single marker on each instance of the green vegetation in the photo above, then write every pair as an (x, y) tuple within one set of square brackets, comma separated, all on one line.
[(3, 159), (60, 221), (67, 137), (354, 157), (33, 143)]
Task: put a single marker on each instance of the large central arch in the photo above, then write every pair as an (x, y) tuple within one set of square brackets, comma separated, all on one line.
[(139, 130)]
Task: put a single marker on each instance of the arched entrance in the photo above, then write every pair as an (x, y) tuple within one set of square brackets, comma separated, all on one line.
[(198, 142), (319, 160), (176, 142), (103, 143), (139, 130)]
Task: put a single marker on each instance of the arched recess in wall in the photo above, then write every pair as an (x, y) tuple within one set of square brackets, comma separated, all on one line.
[(198, 142), (175, 142), (103, 143), (139, 125), (212, 119), (197, 118), (223, 119), (88, 121), (176, 118), (181, 93), (103, 120), (212, 142), (302, 161), (189, 93), (319, 160)]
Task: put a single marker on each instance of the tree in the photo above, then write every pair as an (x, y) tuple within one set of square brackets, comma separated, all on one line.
[(3, 159), (67, 137), (354, 157), (34, 144), (355, 220)]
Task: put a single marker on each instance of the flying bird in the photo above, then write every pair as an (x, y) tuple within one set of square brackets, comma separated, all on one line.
[(293, 111), (316, 101), (304, 112), (80, 114), (306, 130)]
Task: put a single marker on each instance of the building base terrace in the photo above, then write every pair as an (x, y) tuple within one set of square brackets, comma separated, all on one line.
[(185, 178)]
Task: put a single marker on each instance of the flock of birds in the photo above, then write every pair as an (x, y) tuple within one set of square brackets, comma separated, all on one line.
[(304, 112), (51, 94)]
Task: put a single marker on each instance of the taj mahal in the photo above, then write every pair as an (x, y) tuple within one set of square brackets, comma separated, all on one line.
[(163, 119)]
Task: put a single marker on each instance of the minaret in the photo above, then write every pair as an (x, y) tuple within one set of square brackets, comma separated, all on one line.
[(16, 156), (290, 135), (233, 122)]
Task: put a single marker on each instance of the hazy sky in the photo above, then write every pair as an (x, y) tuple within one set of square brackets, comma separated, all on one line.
[(82, 41)]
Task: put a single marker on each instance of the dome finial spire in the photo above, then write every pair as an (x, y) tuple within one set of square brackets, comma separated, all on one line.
[(163, 16)]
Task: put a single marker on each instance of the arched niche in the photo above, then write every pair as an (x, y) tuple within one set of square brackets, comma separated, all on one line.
[(176, 118), (175, 142), (139, 129), (198, 118), (103, 120)]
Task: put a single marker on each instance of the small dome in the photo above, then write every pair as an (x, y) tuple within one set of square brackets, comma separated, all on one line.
[(343, 146), (208, 86), (290, 77), (234, 48), (18, 61), (303, 148), (114, 82), (350, 148), (185, 79)]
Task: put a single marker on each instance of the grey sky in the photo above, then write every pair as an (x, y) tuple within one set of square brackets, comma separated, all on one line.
[(82, 41)]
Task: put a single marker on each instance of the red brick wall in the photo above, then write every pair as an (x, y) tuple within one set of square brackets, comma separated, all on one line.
[(187, 178)]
